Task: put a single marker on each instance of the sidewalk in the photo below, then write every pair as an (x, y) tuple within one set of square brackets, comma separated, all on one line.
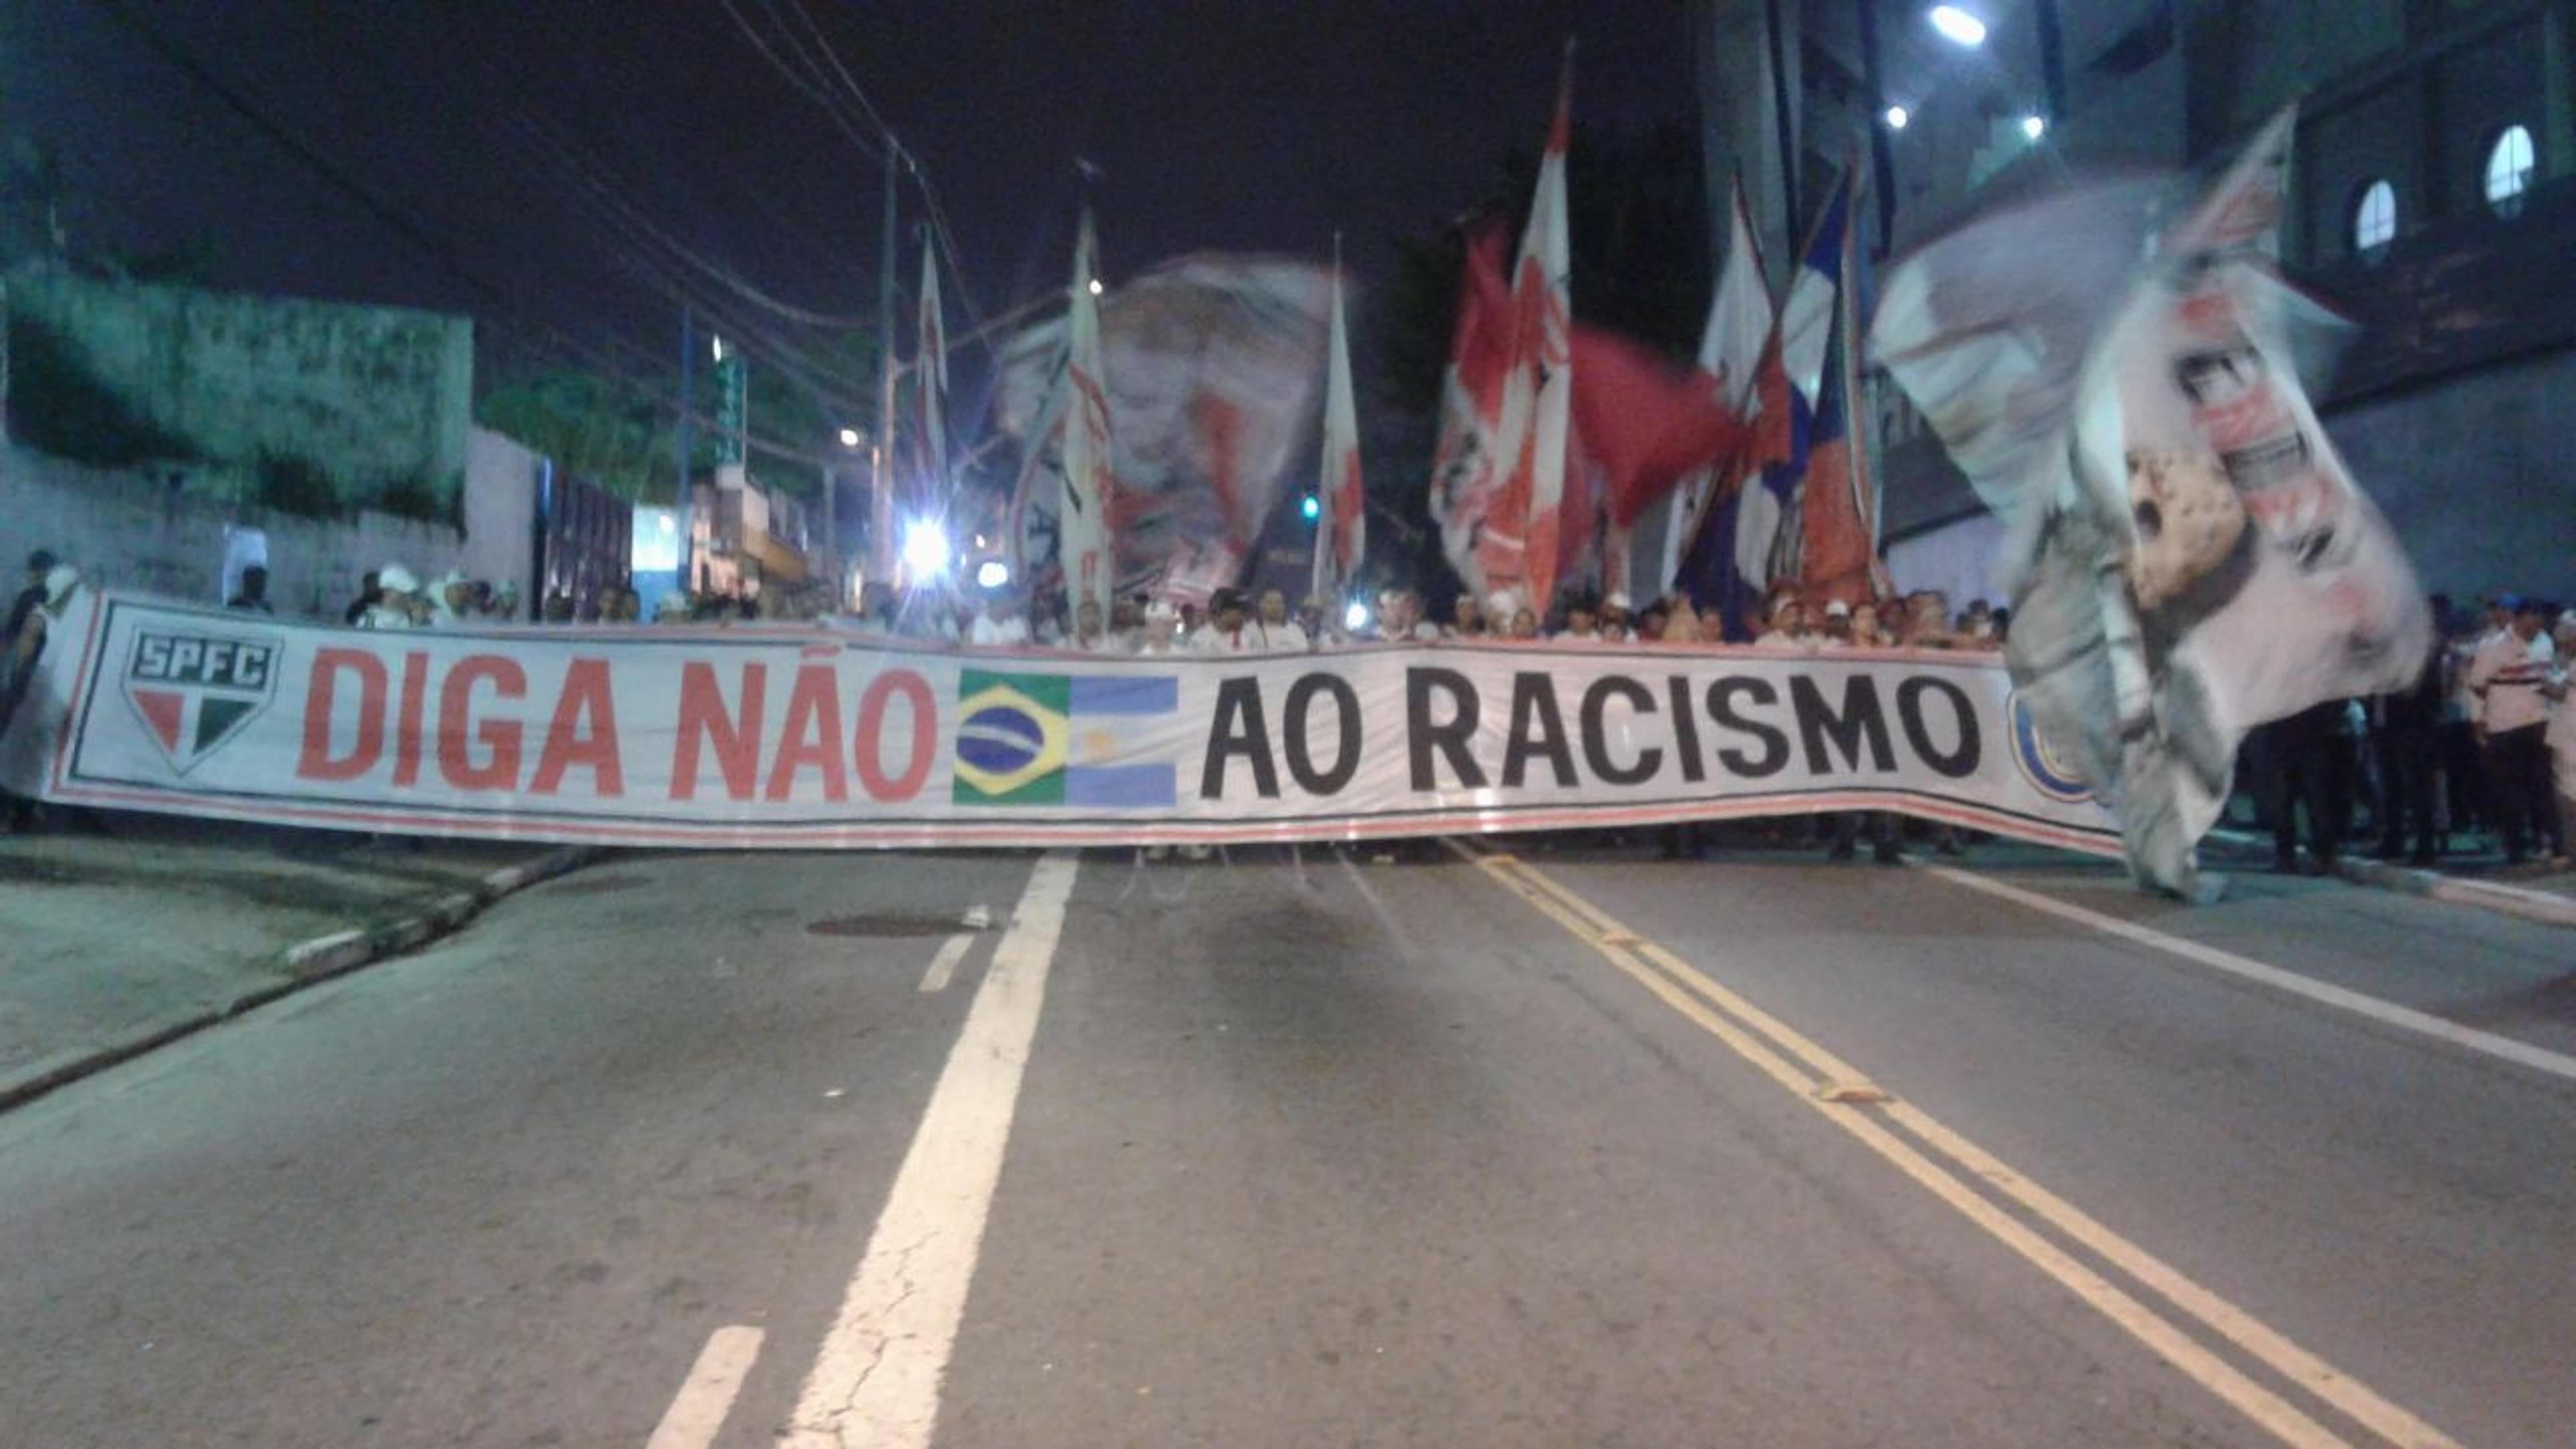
[(2473, 874), (116, 942)]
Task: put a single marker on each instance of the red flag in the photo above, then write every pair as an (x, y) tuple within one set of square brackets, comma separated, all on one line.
[(1645, 423)]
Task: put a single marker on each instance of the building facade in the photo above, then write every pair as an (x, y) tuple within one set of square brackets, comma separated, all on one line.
[(2432, 206)]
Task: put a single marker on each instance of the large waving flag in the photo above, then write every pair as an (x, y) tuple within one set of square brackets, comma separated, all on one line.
[(1542, 313), (1214, 364), (1739, 323), (1498, 479), (1341, 521), (1837, 505), (1084, 540), (2190, 556)]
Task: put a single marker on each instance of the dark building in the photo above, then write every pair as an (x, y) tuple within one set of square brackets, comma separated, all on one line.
[(2432, 205)]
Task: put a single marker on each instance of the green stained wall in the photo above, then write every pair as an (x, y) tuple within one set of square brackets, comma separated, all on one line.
[(377, 399)]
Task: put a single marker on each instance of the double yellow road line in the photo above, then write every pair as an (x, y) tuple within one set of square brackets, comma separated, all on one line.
[(2043, 1228)]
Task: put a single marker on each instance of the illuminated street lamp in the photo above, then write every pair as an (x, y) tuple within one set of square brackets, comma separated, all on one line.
[(1896, 117), (849, 437), (2034, 127), (1095, 286), (925, 549), (1957, 26)]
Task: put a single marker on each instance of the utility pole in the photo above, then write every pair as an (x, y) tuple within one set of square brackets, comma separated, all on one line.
[(881, 542), (681, 519)]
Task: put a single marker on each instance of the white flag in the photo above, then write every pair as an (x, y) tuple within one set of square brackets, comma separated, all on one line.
[(1341, 522), (1085, 542)]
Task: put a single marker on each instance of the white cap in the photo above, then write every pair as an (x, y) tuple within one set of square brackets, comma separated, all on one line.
[(1617, 600), (1837, 610), (1501, 601), (59, 582), (395, 579)]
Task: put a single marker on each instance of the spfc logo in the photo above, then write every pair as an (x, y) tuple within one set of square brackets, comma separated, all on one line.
[(195, 692)]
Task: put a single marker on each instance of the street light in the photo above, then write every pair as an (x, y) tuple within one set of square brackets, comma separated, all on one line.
[(849, 437), (992, 573), (2034, 127), (1356, 617), (1095, 286), (925, 549), (1897, 116), (1312, 507), (1957, 26)]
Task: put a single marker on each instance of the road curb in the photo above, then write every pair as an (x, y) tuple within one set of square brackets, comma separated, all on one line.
[(308, 963), (2529, 905), (2541, 907)]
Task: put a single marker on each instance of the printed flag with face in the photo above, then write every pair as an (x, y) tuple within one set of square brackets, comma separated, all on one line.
[(2190, 558)]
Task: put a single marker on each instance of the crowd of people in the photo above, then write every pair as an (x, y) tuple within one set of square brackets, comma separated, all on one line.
[(1238, 621), (2480, 752)]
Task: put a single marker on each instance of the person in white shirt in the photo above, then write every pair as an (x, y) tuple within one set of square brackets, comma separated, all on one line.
[(1838, 626), (1617, 612), (396, 586), (1788, 624), (1399, 618), (2507, 677), (2561, 734), (1279, 633), (1000, 625), (1161, 632), (1231, 629), (1466, 617), (1089, 634), (1582, 626)]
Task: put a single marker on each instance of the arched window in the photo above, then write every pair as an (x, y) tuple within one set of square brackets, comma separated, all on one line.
[(2374, 220), (2510, 162)]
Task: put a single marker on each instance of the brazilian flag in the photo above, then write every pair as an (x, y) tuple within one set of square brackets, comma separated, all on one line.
[(1013, 735)]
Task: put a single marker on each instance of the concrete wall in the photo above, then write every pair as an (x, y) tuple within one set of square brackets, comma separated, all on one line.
[(373, 395), (501, 481), (139, 532), (2473, 473)]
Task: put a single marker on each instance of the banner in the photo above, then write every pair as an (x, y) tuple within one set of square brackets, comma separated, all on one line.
[(810, 737)]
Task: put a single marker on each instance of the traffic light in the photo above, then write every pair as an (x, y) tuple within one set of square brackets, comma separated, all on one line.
[(1312, 508)]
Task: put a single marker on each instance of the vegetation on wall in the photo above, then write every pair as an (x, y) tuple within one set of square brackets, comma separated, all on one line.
[(58, 406)]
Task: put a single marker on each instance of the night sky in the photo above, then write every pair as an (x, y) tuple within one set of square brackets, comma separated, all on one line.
[(1252, 126)]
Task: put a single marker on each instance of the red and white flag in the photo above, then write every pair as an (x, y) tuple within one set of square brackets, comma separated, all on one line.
[(1498, 484), (1730, 351), (1341, 523)]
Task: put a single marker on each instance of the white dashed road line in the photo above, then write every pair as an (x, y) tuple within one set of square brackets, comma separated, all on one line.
[(943, 967), (706, 1397)]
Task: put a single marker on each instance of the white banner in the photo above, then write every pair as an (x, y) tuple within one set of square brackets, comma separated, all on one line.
[(807, 737)]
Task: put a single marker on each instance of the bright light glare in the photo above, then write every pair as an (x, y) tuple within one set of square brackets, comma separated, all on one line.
[(849, 437), (1957, 26), (1355, 618), (2034, 127), (992, 573), (1897, 116), (1312, 507), (925, 550), (716, 344), (1095, 286)]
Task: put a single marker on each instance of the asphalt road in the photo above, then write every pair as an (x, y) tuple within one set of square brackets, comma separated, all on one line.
[(1494, 1145)]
